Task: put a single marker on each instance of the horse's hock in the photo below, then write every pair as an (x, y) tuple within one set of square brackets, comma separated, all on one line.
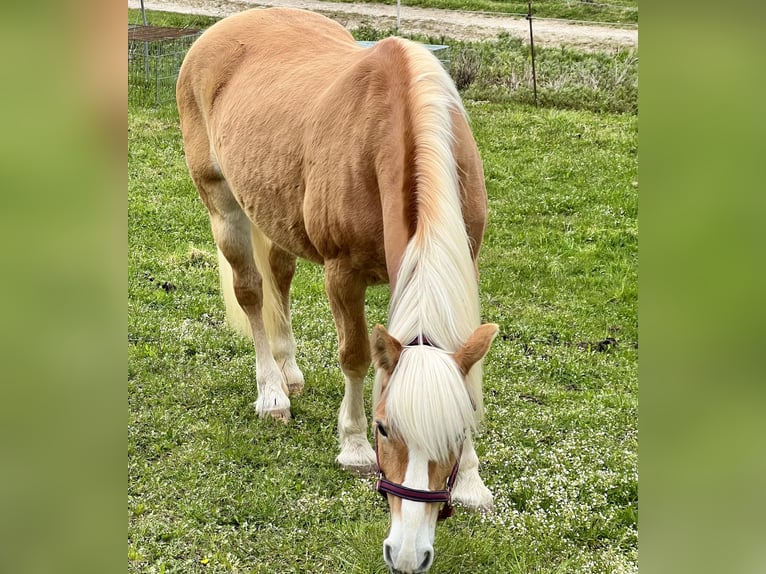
[(155, 54)]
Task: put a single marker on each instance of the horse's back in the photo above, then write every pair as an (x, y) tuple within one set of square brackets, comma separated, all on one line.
[(263, 49), (245, 92), (313, 134)]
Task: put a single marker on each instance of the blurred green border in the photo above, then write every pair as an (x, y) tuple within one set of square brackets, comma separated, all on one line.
[(702, 454), (63, 228), (702, 211)]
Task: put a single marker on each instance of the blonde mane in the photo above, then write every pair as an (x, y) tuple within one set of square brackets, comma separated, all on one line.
[(436, 292)]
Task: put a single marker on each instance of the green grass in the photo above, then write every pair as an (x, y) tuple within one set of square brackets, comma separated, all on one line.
[(617, 12), (501, 71), (214, 489), (171, 19)]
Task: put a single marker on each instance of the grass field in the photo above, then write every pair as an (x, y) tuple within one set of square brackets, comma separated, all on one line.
[(618, 12), (214, 489)]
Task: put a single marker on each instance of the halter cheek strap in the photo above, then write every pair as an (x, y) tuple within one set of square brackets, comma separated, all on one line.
[(385, 486)]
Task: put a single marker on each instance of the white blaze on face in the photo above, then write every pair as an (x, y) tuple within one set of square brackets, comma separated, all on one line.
[(409, 546)]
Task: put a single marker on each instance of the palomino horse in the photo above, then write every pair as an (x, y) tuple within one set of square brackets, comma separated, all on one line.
[(303, 144)]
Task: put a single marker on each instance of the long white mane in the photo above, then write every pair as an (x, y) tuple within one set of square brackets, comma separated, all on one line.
[(436, 293)]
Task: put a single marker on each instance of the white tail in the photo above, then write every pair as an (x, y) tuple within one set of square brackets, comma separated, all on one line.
[(273, 311)]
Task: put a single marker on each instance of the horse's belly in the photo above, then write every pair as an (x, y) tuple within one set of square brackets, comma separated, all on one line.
[(277, 211), (265, 176), (342, 228), (290, 236)]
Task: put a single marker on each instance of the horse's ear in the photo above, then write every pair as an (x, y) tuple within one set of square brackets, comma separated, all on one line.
[(385, 349), (475, 347)]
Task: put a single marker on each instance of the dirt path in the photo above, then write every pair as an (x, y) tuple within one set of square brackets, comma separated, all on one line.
[(451, 23)]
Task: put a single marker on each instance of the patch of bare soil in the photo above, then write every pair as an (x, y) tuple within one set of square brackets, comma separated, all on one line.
[(450, 23)]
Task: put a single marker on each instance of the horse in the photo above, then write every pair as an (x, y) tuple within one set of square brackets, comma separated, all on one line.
[(301, 143)]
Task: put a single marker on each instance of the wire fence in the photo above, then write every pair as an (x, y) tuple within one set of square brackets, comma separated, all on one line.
[(530, 18), (155, 54)]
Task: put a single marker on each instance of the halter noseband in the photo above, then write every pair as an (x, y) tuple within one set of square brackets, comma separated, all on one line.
[(385, 486)]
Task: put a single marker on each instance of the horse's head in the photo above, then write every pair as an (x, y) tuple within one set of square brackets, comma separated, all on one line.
[(423, 411)]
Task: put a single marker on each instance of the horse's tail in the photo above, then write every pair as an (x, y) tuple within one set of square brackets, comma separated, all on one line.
[(273, 313)]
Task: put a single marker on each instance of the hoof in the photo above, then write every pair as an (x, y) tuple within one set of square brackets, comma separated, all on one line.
[(487, 508), (295, 389), (364, 470), (280, 414), (471, 493), (357, 457), (292, 380)]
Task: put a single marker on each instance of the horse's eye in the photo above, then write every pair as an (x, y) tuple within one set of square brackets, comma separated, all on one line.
[(381, 428)]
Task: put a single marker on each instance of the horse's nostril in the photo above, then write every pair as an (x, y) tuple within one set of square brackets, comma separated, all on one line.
[(426, 563), (387, 554)]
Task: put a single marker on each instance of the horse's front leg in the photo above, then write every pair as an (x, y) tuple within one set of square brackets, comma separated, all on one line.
[(470, 490), (346, 294)]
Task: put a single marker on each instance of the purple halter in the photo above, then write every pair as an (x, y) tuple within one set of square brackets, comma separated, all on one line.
[(385, 486)]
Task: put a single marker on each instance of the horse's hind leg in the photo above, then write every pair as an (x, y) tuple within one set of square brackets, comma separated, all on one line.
[(282, 265), (346, 293), (277, 268), (232, 233)]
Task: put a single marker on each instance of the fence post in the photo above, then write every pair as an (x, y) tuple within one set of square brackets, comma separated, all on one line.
[(146, 44), (532, 48)]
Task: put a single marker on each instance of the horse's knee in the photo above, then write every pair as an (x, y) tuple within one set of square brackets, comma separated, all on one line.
[(355, 361)]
